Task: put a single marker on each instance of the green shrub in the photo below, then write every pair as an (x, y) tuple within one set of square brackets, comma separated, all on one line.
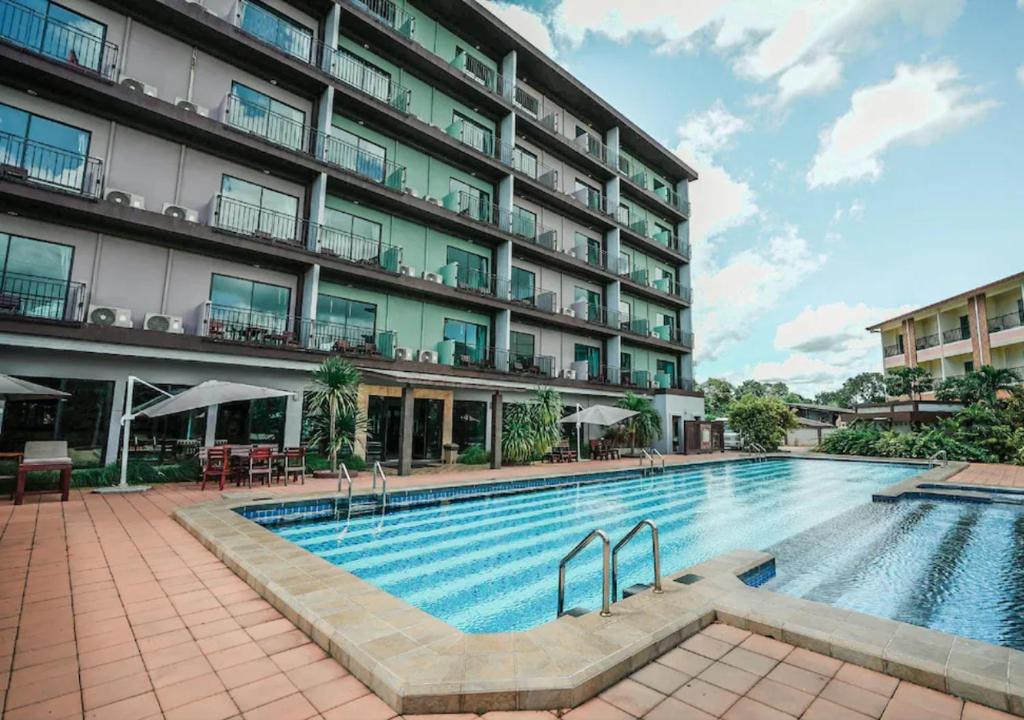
[(474, 455), (761, 420), (352, 462), (140, 472)]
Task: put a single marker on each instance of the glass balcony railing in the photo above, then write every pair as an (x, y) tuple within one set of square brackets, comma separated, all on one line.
[(255, 118), (355, 74), (386, 12), (26, 28), (591, 199), (366, 164), (49, 166), (42, 298), (273, 29)]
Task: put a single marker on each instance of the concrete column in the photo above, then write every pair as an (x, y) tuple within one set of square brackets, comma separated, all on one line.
[(506, 203), (310, 294), (405, 436), (293, 420), (497, 413), (211, 425), (502, 339), (332, 26), (977, 317), (910, 343), (611, 142), (510, 71), (317, 202), (114, 428), (613, 357)]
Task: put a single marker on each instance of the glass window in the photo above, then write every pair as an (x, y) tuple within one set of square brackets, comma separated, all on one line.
[(252, 208), (34, 276), (524, 284), (625, 312), (626, 362), (350, 236), (592, 356), (470, 339), (524, 223), (470, 423), (252, 421), (523, 347), (245, 309), (473, 269), (591, 249), (667, 367), (276, 29), (593, 299), (588, 195), (360, 155), (261, 114), (167, 438), (364, 75), (339, 320), (524, 161), (474, 134), (55, 31), (51, 152), (471, 200)]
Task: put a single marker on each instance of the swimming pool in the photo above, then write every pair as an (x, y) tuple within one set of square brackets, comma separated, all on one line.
[(491, 564), (952, 566)]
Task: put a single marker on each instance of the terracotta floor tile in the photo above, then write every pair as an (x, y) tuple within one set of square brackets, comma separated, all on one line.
[(29, 658), (781, 697), (187, 691), (247, 672), (371, 707), (855, 698), (336, 692), (116, 690), (704, 696), (171, 655), (673, 709), (685, 661), (316, 673), (798, 678), (164, 640), (707, 646), (215, 707), (767, 646), (265, 630), (262, 691), (932, 701), (112, 671), (26, 689), (179, 671), (747, 709), (108, 655), (157, 627), (118, 625), (731, 678), (822, 709), (726, 633), (283, 641), (297, 657), (290, 707), (973, 711), (861, 677), (229, 639), (595, 709), (63, 706), (631, 696), (752, 662), (660, 677), (216, 627), (236, 655), (815, 662), (205, 616)]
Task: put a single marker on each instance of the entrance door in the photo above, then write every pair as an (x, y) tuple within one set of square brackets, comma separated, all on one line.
[(383, 426), (427, 419)]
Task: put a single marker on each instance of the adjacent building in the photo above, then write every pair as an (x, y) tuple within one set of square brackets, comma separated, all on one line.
[(236, 189), (983, 326)]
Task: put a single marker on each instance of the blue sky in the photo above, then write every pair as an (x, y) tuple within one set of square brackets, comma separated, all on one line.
[(857, 157)]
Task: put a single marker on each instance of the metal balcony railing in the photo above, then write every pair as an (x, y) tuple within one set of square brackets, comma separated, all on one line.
[(477, 71), (473, 206), (246, 219), (891, 351), (38, 33), (358, 249), (351, 339), (350, 158), (635, 378), (545, 175), (545, 300), (595, 257), (274, 30), (476, 138), (666, 238), (1005, 322), (478, 358), (481, 283), (251, 117), (592, 145), (364, 78), (687, 384), (42, 298), (526, 102), (927, 341), (956, 334), (386, 12), (604, 375), (535, 365), (53, 167)]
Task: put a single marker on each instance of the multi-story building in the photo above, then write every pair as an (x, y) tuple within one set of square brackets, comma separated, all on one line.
[(236, 189), (983, 326)]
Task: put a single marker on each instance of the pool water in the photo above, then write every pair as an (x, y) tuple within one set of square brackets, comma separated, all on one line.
[(491, 565), (953, 566)]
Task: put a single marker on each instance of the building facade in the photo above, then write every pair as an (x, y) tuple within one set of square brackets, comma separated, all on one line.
[(983, 326), (236, 189)]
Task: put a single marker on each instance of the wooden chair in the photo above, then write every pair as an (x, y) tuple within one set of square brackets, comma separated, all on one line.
[(261, 464), (218, 465), (294, 464)]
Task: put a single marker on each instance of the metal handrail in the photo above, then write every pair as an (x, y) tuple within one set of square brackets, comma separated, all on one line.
[(757, 450), (656, 454), (645, 454), (655, 552), (378, 470), (344, 473), (933, 460), (606, 560)]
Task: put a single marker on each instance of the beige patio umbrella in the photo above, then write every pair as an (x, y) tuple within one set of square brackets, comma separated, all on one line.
[(595, 415), (12, 388)]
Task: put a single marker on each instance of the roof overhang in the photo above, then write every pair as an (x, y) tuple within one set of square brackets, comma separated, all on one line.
[(448, 382)]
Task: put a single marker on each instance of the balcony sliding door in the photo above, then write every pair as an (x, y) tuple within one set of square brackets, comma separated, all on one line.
[(35, 278), (248, 311), (50, 152), (252, 209)]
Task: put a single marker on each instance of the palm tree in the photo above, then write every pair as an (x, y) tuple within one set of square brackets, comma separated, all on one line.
[(995, 379), (547, 411), (336, 384), (644, 427)]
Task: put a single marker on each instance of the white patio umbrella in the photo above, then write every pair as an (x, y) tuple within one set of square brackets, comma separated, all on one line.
[(595, 415), (11, 388), (211, 392)]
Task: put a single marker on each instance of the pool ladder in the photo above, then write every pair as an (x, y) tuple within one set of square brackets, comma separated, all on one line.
[(610, 565), (933, 461), (343, 475), (379, 471), (650, 455), (759, 453)]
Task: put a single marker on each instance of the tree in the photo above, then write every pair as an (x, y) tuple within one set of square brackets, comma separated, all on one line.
[(336, 388), (530, 429), (751, 387), (547, 411), (910, 381), (644, 427), (980, 386), (718, 394), (868, 387), (761, 420)]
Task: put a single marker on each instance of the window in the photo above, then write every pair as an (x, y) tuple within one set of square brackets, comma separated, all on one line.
[(524, 161), (261, 114), (969, 366), (471, 201), (470, 339), (524, 223), (359, 155), (666, 319), (588, 195), (592, 356), (593, 300), (474, 134), (51, 152), (275, 29), (965, 327), (34, 277), (590, 250), (343, 323), (626, 362), (524, 285), (523, 348), (473, 269), (350, 236), (625, 313), (246, 310), (364, 75), (667, 367), (253, 209), (56, 32), (469, 426)]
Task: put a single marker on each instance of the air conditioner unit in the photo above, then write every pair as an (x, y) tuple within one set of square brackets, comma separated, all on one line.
[(181, 213), (138, 86), (569, 374), (163, 323), (190, 106), (403, 353), (568, 312), (123, 197), (407, 270), (110, 316), (433, 277), (427, 356), (413, 192), (432, 199)]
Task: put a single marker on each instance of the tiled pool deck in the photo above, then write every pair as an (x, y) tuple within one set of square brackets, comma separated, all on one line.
[(110, 609)]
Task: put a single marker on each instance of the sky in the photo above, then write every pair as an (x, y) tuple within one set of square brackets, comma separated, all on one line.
[(857, 158)]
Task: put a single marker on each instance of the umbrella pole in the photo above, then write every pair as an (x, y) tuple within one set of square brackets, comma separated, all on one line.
[(579, 444), (126, 428)]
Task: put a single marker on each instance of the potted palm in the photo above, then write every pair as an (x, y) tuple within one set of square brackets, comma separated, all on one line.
[(333, 410)]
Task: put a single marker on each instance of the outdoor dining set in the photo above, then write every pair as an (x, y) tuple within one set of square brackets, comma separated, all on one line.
[(249, 464)]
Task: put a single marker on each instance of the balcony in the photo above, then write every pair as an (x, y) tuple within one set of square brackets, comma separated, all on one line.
[(595, 257), (53, 167), (532, 365), (478, 72), (474, 281), (545, 300), (40, 298), (365, 79), (67, 44), (357, 249), (351, 159), (635, 378), (590, 199), (545, 175), (604, 375), (476, 138), (389, 14), (592, 145), (927, 341), (256, 119), (266, 329), (891, 350), (274, 30), (1005, 322), (956, 335), (245, 219), (526, 102)]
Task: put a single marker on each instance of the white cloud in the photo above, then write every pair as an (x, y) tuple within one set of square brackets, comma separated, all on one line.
[(1020, 70), (825, 345), (918, 104), (532, 26), (709, 131), (735, 294), (810, 78)]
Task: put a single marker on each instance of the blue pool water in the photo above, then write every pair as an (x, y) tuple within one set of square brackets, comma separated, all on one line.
[(952, 566), (491, 565)]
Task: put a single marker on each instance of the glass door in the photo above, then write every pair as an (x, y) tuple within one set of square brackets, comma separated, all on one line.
[(428, 417)]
